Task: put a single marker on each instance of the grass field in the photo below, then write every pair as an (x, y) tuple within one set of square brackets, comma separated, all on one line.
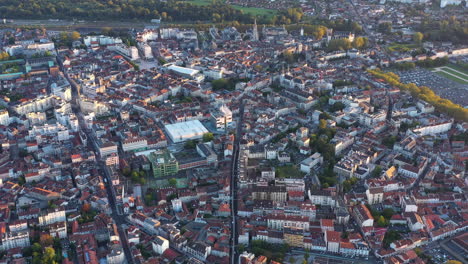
[(457, 73), (451, 77), (199, 2), (289, 171), (402, 47), (453, 72), (458, 68), (256, 11)]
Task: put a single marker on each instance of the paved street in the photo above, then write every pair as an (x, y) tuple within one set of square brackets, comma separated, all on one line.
[(234, 173), (116, 214)]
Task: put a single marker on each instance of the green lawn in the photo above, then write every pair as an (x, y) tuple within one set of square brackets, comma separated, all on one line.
[(402, 47), (256, 11), (458, 68), (199, 2), (452, 71), (289, 171), (458, 71), (453, 78)]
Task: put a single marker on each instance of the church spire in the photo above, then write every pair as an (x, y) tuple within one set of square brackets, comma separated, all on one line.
[(255, 31)]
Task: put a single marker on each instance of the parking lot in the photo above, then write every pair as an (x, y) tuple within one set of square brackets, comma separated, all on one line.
[(445, 88)]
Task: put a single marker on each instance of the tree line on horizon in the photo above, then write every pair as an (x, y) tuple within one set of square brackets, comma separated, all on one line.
[(169, 11)]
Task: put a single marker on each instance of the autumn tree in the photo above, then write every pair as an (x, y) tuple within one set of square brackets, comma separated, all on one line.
[(339, 44), (4, 56), (106, 30), (418, 37), (359, 42), (453, 262), (46, 240), (49, 256), (381, 221), (216, 17), (288, 56), (86, 207), (322, 124), (75, 35)]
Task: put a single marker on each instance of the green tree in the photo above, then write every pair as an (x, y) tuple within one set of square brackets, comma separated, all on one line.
[(49, 256), (207, 137), (216, 17), (418, 251), (135, 173), (36, 247), (27, 252), (381, 221), (390, 237), (135, 176), (191, 144), (389, 141), (338, 106), (21, 180), (172, 182), (36, 259), (339, 44), (388, 213), (142, 181), (376, 172), (385, 27), (418, 37), (63, 36), (220, 84), (126, 172)]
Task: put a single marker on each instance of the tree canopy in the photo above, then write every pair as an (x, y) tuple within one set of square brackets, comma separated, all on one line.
[(217, 11), (207, 137), (418, 37), (451, 29), (424, 93)]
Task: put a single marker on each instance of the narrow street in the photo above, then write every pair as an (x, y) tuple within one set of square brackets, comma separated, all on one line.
[(118, 218), (234, 174)]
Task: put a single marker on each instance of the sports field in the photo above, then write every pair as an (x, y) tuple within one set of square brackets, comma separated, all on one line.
[(453, 73), (199, 2), (401, 47), (255, 11)]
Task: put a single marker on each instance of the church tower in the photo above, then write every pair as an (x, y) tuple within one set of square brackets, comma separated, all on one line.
[(255, 31)]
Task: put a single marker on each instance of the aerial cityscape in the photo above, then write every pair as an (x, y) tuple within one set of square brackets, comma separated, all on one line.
[(233, 131)]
